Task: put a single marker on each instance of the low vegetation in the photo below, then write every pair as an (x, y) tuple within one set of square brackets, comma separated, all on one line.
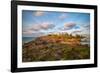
[(55, 47)]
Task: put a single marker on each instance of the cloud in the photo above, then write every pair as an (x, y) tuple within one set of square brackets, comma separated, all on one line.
[(42, 26), (39, 13), (35, 29), (47, 25), (86, 27), (62, 16), (77, 31), (28, 32), (68, 26)]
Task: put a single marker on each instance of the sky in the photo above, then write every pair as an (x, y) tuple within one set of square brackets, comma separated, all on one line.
[(39, 23)]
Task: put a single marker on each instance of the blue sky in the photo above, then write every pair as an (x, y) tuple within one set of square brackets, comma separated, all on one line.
[(38, 23)]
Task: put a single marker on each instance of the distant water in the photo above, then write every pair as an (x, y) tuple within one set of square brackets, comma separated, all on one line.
[(85, 43), (27, 39)]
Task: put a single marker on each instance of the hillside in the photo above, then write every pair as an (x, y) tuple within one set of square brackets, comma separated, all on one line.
[(55, 47)]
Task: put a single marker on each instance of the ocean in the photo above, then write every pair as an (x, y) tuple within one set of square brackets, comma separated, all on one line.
[(27, 39)]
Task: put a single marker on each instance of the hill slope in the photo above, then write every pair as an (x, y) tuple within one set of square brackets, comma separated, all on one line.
[(55, 47)]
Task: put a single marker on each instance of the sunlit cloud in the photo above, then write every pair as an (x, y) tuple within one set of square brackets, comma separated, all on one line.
[(38, 13)]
